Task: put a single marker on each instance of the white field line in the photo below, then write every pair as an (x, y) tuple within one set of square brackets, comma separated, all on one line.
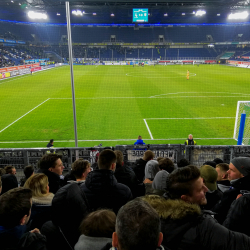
[(148, 129), (202, 118), (24, 115), (167, 139)]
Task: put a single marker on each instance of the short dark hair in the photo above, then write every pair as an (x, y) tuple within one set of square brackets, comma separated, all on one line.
[(148, 155), (166, 164), (28, 171), (49, 161), (218, 160), (183, 163), (137, 226), (51, 140), (8, 169), (119, 156), (100, 223), (223, 167), (79, 167), (180, 181), (106, 158), (14, 205)]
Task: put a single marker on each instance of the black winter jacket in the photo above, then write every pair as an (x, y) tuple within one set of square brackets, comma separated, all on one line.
[(238, 217), (139, 169), (185, 226), (103, 191), (222, 207)]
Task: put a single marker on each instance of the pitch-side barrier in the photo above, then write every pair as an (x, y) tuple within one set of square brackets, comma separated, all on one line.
[(197, 155)]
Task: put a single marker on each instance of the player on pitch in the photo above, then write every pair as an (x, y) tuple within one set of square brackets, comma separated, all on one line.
[(187, 75)]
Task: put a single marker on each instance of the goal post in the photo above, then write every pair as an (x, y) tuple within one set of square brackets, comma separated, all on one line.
[(243, 107)]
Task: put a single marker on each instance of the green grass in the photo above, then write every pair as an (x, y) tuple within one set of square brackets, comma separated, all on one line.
[(113, 101)]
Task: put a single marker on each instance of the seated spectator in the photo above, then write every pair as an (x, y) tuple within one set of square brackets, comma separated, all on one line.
[(213, 195), (183, 224), (238, 217), (79, 171), (239, 177), (140, 164), (96, 230), (10, 170), (52, 166), (222, 181), (159, 184), (183, 163), (101, 187), (15, 209), (28, 171), (41, 199), (139, 141), (137, 227), (126, 176), (167, 165), (151, 169)]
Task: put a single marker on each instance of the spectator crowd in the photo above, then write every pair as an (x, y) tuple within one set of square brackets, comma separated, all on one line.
[(155, 204)]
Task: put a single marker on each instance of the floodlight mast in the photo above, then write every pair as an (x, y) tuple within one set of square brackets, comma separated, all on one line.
[(71, 69)]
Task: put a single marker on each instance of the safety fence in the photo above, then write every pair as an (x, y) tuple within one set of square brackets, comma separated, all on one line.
[(197, 155)]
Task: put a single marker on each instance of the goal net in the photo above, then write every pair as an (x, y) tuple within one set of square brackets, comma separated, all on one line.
[(243, 106)]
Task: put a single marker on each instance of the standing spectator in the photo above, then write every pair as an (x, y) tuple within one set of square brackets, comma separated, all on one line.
[(15, 209), (9, 180), (151, 169), (101, 187), (10, 170), (160, 182), (52, 166), (222, 181), (139, 141), (28, 171), (239, 177), (190, 140), (139, 167), (167, 165)]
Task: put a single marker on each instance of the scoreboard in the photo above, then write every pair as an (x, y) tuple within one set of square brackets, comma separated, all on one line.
[(140, 15)]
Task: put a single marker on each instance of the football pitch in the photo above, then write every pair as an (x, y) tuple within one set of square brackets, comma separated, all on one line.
[(115, 104)]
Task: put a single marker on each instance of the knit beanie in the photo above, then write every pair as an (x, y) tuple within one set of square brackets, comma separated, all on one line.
[(242, 164)]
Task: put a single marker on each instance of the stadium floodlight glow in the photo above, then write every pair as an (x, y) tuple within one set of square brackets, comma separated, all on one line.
[(200, 13), (166, 14), (218, 14), (183, 14), (77, 12), (12, 1), (94, 14), (58, 14), (37, 15), (239, 15), (112, 14)]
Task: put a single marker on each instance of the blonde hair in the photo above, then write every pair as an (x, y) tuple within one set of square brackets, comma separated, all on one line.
[(38, 184)]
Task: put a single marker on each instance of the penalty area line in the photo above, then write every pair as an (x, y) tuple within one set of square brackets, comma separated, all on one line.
[(23, 115)]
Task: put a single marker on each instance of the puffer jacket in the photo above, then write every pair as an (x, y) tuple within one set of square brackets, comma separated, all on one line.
[(103, 191), (186, 226)]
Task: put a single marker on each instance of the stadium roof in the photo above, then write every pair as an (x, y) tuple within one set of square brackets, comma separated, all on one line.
[(17, 10)]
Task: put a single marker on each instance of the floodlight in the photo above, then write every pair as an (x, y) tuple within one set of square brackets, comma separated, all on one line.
[(112, 14), (77, 12), (37, 15), (12, 1), (239, 15), (94, 14), (218, 14), (183, 14), (200, 13), (58, 14), (166, 14)]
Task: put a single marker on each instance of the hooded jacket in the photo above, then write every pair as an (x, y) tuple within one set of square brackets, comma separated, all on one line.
[(238, 217), (222, 207), (223, 186), (185, 226), (103, 191)]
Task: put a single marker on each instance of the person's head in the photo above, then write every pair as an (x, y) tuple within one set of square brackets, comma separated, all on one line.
[(38, 184), (80, 169), (15, 207), (222, 169), (2, 171), (167, 165), (139, 137), (186, 184), (183, 163), (238, 168), (28, 171), (210, 163), (51, 141), (190, 137), (159, 158), (137, 227), (218, 160), (119, 157), (148, 155), (151, 169), (107, 160), (100, 223), (10, 170), (209, 175), (52, 162)]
